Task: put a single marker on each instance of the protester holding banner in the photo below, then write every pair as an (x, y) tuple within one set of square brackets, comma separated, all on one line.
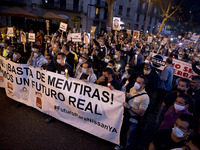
[(62, 67), (87, 73), (37, 59)]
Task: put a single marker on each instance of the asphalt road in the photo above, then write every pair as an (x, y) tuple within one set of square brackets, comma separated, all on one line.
[(24, 128)]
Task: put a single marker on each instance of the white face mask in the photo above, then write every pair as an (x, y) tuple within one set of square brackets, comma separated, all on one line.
[(14, 56), (55, 45), (106, 60), (58, 61), (126, 76), (126, 68), (7, 51), (35, 55), (80, 61), (146, 72), (91, 57), (113, 46), (177, 132), (84, 70), (137, 53), (136, 86), (109, 67), (48, 41), (115, 56), (179, 107), (146, 61), (125, 49)]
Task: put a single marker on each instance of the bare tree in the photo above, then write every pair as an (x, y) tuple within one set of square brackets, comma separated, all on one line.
[(168, 12)]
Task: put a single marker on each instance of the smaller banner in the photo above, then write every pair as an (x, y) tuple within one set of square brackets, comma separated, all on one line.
[(181, 69), (76, 37), (63, 27), (186, 42), (31, 37), (136, 34), (10, 32), (116, 23), (108, 28), (128, 31)]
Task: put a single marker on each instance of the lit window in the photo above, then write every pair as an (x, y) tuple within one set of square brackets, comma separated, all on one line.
[(97, 11)]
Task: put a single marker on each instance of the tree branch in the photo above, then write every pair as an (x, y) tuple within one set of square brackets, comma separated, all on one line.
[(161, 7), (169, 6), (175, 9)]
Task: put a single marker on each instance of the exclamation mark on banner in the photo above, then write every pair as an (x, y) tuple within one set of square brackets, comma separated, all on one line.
[(111, 99)]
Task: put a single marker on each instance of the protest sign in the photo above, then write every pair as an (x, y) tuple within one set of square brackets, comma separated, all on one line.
[(181, 69), (108, 28), (187, 42), (164, 41), (128, 31), (136, 34), (10, 32), (116, 23), (86, 39), (195, 37), (63, 27), (31, 37), (93, 108), (76, 37), (23, 37), (93, 29), (150, 38)]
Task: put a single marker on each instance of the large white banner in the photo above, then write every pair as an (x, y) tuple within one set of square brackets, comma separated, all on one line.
[(181, 68), (89, 107)]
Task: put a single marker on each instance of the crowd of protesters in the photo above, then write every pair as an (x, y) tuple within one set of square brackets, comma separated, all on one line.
[(121, 62)]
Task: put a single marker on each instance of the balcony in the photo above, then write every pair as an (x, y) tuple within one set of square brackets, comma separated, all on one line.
[(70, 7)]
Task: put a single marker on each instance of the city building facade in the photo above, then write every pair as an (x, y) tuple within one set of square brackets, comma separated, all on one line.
[(82, 14)]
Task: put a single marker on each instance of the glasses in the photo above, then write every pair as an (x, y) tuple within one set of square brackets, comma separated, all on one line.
[(146, 68)]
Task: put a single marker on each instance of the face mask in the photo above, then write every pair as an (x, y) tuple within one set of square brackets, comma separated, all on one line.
[(84, 46), (146, 61), (146, 50), (115, 56), (125, 49), (70, 49), (109, 67), (137, 53), (180, 58), (136, 86), (180, 91), (35, 55), (106, 60), (58, 61), (126, 76), (18, 41), (7, 51), (80, 61), (126, 68), (113, 46), (55, 45), (2, 44), (81, 52), (48, 41), (179, 107), (91, 57), (177, 132), (146, 72), (14, 56), (84, 70)]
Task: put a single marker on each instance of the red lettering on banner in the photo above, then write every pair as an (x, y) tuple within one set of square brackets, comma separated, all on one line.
[(185, 69), (190, 70), (177, 66), (179, 73), (185, 74), (191, 76)]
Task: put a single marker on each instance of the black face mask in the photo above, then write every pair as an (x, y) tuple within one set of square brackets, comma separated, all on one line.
[(180, 91), (106, 79)]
